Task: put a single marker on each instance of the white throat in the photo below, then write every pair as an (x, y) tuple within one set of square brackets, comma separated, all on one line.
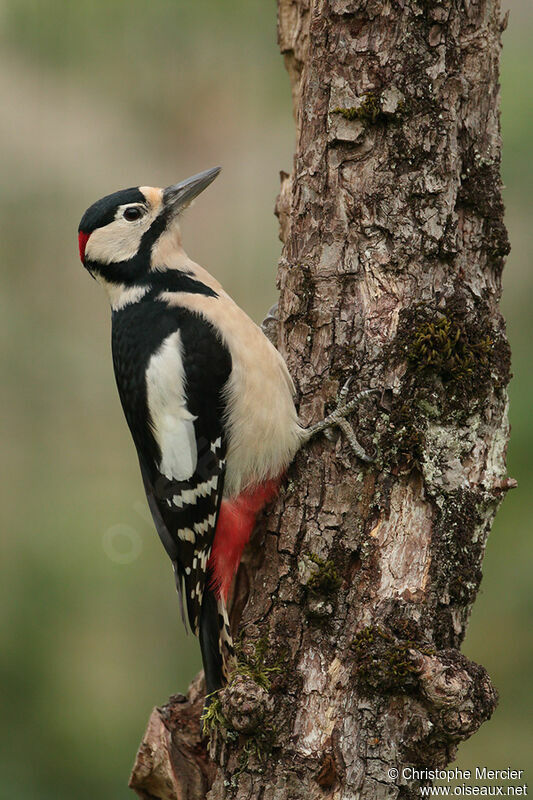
[(121, 295)]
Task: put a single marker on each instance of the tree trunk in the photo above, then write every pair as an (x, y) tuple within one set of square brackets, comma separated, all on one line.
[(360, 580)]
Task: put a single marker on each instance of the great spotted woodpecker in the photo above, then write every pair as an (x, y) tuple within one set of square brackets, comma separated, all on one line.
[(207, 397)]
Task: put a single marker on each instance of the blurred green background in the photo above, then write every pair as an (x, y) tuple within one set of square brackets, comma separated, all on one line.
[(97, 96)]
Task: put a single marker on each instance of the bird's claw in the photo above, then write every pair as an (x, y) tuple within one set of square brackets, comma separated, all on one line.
[(337, 418), (345, 426), (343, 394), (357, 448)]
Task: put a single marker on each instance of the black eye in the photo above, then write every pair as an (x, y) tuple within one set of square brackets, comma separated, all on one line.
[(131, 214)]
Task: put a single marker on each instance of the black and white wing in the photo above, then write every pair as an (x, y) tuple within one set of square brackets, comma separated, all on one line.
[(179, 435)]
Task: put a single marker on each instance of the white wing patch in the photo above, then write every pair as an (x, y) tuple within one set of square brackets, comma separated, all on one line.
[(172, 422)]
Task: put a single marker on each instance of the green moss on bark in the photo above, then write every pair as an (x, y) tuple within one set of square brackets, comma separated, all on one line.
[(385, 663), (252, 662), (325, 581), (372, 111), (445, 347), (455, 358)]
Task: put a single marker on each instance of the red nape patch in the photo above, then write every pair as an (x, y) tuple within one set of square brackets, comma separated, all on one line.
[(83, 238), (235, 524)]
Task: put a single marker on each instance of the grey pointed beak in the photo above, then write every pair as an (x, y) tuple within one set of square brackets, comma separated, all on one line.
[(181, 194)]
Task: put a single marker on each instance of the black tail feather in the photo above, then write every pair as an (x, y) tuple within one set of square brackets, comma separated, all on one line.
[(209, 635)]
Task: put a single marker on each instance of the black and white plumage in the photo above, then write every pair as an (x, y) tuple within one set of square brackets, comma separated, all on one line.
[(207, 398), (170, 369)]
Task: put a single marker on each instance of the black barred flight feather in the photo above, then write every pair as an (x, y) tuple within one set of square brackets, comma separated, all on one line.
[(189, 510)]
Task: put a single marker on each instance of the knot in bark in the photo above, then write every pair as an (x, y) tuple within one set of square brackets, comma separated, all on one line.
[(244, 704), (459, 690)]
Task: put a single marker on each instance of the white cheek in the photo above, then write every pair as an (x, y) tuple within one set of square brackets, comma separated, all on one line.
[(118, 241)]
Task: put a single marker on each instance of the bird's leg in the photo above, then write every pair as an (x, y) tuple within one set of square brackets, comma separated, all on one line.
[(337, 418)]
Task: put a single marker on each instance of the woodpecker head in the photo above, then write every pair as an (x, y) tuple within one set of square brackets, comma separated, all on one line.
[(117, 234)]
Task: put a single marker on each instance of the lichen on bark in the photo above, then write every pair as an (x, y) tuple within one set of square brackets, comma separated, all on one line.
[(393, 246)]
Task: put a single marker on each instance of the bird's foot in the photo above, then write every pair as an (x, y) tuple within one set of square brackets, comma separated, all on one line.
[(337, 419), (269, 326)]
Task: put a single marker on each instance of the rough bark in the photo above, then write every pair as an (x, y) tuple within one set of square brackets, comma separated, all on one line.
[(360, 581)]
